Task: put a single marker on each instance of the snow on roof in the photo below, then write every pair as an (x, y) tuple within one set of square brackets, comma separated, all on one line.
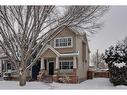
[(3, 55), (77, 32)]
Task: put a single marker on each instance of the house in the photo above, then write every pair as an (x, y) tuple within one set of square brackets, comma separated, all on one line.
[(64, 59), (66, 56), (3, 63), (6, 67)]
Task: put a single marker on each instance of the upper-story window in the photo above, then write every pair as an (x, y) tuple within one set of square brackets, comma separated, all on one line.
[(63, 42)]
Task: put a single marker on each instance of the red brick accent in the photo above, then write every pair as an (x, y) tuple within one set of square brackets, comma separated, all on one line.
[(72, 79), (74, 71), (55, 78), (14, 78)]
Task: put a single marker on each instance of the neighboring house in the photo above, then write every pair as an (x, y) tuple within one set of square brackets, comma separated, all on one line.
[(66, 57), (3, 63), (6, 67)]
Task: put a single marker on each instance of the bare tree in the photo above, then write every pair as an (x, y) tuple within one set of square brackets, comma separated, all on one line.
[(125, 41), (24, 29), (97, 61)]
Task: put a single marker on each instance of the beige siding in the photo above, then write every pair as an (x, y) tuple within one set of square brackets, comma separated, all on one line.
[(48, 54), (65, 33), (83, 51), (78, 45), (79, 48), (82, 65), (87, 61)]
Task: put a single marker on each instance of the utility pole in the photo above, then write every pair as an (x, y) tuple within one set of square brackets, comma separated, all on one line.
[(97, 59)]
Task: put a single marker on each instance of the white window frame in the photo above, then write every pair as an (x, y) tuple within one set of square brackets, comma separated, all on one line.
[(6, 62), (63, 46), (65, 61)]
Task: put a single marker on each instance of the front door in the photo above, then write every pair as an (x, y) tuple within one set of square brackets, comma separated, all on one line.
[(35, 70), (51, 68)]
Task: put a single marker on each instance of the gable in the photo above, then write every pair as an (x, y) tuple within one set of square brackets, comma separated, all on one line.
[(65, 33), (68, 32), (49, 54)]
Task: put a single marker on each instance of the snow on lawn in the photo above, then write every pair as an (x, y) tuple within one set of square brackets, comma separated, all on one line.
[(96, 83)]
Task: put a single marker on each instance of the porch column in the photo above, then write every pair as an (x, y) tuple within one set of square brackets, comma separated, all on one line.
[(1, 66), (75, 69), (74, 62), (57, 62), (5, 65), (42, 63)]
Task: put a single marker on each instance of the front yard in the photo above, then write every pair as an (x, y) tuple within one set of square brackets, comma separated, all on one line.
[(96, 83)]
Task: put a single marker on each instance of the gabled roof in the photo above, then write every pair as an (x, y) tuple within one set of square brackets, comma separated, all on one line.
[(59, 54), (76, 32), (51, 48), (70, 54), (3, 55), (83, 34)]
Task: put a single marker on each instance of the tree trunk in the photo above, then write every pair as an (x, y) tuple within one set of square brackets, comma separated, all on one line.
[(22, 78)]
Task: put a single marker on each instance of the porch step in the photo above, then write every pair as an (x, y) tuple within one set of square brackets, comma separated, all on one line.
[(41, 75), (48, 79)]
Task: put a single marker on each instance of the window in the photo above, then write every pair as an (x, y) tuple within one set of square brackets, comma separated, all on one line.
[(13, 67), (8, 66), (66, 64), (3, 66), (63, 42)]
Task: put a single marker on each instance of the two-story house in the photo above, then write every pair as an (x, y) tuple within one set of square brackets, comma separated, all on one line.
[(66, 56), (65, 59)]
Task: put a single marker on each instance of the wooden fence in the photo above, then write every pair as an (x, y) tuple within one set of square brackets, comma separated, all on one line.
[(97, 74), (104, 74)]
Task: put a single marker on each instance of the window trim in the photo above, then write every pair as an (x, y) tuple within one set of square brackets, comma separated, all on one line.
[(66, 61), (63, 46)]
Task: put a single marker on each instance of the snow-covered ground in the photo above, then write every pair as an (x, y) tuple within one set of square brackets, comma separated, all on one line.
[(96, 83)]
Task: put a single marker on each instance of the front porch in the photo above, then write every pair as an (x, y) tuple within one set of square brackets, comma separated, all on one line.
[(61, 67)]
